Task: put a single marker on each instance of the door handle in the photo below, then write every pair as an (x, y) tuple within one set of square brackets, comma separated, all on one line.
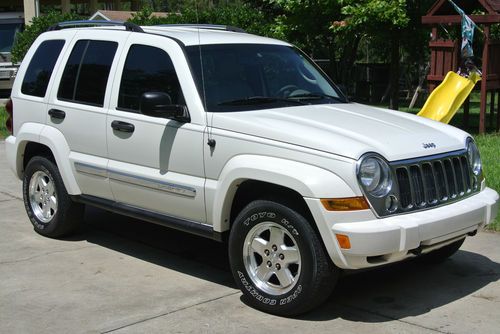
[(56, 113), (122, 126)]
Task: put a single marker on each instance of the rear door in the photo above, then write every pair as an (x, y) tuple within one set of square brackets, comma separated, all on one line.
[(36, 76), (78, 105)]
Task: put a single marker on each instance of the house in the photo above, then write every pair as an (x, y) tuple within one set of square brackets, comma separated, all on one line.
[(119, 15)]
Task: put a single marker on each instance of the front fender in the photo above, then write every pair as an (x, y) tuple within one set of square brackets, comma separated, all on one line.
[(307, 180)]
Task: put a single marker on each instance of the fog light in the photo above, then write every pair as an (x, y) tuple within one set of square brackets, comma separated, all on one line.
[(391, 203), (343, 240)]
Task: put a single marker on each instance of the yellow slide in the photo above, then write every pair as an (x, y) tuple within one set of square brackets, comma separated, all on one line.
[(447, 98)]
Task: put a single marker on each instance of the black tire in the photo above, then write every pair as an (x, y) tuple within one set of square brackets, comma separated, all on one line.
[(67, 216), (316, 277), (441, 254)]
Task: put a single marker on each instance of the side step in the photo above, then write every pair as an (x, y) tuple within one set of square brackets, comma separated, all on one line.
[(180, 224)]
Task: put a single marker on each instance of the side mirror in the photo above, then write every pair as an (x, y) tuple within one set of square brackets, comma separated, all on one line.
[(159, 104)]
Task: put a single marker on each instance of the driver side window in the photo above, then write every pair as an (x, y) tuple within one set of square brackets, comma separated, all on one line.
[(147, 69)]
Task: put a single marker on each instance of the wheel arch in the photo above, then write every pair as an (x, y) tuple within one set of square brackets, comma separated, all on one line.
[(37, 139), (248, 177)]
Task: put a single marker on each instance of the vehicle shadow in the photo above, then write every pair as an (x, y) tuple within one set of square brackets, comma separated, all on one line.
[(407, 289), (383, 294), (182, 252)]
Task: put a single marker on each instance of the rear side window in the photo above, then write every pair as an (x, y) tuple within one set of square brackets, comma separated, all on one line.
[(40, 69), (147, 69), (86, 73)]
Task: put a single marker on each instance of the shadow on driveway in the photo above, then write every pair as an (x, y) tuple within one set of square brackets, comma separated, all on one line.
[(408, 289), (378, 295), (189, 254)]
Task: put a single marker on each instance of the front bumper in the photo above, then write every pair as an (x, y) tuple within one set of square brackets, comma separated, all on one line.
[(379, 241)]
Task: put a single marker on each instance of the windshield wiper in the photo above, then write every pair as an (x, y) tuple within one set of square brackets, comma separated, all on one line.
[(255, 100), (315, 96)]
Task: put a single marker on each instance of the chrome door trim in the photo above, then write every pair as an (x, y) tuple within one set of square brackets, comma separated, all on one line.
[(115, 175), (152, 184), (90, 169)]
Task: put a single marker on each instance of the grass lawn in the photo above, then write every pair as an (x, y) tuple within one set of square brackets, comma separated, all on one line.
[(3, 117), (489, 145)]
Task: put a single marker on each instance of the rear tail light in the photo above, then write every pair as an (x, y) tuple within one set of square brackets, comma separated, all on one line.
[(10, 116)]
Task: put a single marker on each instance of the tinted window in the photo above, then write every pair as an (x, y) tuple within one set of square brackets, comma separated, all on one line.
[(86, 73), (40, 68), (147, 69), (68, 80), (238, 77)]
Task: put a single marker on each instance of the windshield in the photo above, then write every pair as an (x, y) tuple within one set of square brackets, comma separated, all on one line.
[(242, 77), (7, 35)]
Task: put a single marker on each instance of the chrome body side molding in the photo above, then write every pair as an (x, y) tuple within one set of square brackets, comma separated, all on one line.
[(90, 169), (136, 180), (153, 184)]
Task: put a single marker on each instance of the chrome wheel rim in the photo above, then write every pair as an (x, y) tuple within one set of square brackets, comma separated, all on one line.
[(42, 196), (272, 258)]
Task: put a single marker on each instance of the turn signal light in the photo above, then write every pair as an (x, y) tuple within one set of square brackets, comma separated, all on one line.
[(344, 241), (345, 204)]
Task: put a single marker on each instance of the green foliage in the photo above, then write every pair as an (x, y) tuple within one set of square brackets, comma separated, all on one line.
[(489, 145), (38, 25), (373, 16), (3, 118), (243, 16), (306, 23), (495, 31)]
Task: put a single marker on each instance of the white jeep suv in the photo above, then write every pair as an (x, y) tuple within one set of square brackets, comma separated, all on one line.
[(224, 134)]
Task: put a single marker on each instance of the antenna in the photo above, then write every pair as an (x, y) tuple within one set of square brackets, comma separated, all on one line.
[(210, 141)]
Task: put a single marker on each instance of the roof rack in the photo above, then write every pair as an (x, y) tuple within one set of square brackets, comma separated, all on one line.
[(129, 26), (204, 26)]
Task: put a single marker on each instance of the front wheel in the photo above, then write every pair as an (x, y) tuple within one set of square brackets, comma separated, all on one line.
[(278, 260)]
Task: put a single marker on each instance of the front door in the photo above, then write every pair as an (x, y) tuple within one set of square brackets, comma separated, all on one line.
[(155, 163)]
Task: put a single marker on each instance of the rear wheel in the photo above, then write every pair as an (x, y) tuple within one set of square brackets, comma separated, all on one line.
[(49, 207), (278, 260)]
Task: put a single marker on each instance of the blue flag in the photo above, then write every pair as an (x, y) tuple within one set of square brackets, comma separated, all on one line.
[(468, 27)]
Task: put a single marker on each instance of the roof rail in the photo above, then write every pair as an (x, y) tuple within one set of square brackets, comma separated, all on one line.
[(205, 26), (129, 26)]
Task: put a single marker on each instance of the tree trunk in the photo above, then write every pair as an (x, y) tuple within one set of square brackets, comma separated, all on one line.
[(394, 79), (135, 5), (347, 61)]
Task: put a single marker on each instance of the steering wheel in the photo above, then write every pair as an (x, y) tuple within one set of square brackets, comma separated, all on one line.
[(286, 90)]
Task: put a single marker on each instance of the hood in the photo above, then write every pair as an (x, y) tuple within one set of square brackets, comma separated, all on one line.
[(349, 130)]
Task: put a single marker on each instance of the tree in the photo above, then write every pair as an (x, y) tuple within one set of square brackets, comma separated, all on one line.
[(307, 24), (38, 25), (384, 20), (242, 16)]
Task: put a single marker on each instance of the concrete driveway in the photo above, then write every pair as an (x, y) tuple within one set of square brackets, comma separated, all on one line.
[(123, 275)]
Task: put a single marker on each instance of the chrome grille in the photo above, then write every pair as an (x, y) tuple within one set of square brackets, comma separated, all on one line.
[(433, 181)]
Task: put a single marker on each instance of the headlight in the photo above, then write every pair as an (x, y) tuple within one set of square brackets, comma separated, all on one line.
[(374, 176), (474, 158)]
